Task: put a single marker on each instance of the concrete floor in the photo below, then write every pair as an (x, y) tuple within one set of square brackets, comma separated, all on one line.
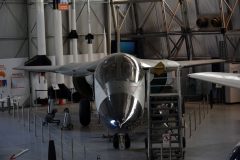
[(213, 140), (216, 136), (79, 143)]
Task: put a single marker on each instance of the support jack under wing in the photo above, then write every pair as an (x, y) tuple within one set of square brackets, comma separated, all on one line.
[(226, 79)]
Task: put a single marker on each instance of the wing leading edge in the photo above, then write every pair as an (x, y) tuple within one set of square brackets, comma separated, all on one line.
[(184, 64), (226, 79), (38, 68), (72, 69), (160, 66)]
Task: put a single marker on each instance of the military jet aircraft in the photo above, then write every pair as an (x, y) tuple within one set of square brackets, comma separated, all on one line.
[(118, 81)]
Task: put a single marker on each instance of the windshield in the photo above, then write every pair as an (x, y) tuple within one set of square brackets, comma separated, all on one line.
[(119, 67)]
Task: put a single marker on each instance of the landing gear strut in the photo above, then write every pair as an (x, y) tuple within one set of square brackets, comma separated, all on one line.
[(84, 112), (121, 141)]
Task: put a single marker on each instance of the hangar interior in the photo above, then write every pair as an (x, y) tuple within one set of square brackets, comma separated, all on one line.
[(198, 120)]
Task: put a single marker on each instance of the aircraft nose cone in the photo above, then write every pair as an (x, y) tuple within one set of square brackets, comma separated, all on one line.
[(119, 111)]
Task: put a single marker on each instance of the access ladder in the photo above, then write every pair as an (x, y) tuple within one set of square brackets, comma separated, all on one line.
[(165, 138)]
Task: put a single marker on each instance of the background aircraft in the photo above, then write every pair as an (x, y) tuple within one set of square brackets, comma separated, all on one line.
[(226, 79), (118, 81)]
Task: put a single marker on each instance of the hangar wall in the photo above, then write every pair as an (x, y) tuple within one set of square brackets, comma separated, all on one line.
[(13, 29), (13, 82)]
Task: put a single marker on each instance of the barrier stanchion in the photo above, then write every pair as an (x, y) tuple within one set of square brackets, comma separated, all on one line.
[(28, 119), (72, 148), (170, 149), (35, 125), (84, 152), (42, 131), (161, 151), (61, 141), (190, 125), (195, 119), (203, 111), (49, 136), (51, 150), (23, 116), (199, 113), (13, 110), (184, 127), (18, 117)]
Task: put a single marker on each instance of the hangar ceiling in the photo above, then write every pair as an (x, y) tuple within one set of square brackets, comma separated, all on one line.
[(164, 28), (174, 32)]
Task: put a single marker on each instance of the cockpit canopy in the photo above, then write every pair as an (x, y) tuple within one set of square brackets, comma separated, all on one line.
[(119, 67)]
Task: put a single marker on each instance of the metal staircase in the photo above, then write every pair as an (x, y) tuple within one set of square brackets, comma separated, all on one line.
[(165, 139)]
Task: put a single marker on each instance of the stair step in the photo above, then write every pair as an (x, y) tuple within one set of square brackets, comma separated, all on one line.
[(166, 157), (164, 115), (160, 122), (163, 94), (163, 101), (164, 128), (161, 141), (162, 109), (172, 135)]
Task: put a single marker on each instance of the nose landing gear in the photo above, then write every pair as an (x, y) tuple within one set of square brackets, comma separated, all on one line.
[(121, 141)]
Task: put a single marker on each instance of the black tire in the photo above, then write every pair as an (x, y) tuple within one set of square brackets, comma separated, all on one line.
[(146, 142), (184, 142), (116, 141), (127, 141), (70, 127), (84, 112), (235, 154), (82, 86), (51, 150)]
